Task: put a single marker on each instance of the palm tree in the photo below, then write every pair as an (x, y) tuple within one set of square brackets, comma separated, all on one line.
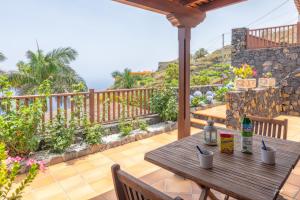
[(2, 57), (53, 65), (123, 79)]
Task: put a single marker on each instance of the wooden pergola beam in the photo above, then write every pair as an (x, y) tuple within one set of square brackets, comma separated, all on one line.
[(218, 4), (178, 14)]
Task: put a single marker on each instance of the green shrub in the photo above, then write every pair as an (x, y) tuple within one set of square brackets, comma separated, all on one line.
[(125, 128), (61, 136), (143, 125), (93, 134), (20, 128), (200, 80), (220, 93), (164, 103)]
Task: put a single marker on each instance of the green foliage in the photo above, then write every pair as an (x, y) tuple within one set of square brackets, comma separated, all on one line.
[(20, 128), (61, 137), (52, 66), (200, 53), (93, 133), (123, 79), (200, 80), (220, 93), (2, 57), (146, 81), (164, 102), (197, 100), (243, 72), (143, 125), (9, 168), (172, 75), (125, 127)]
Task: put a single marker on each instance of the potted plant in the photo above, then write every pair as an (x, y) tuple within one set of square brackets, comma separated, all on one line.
[(267, 80), (244, 77)]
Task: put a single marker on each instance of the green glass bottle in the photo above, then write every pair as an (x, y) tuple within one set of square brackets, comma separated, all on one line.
[(246, 135)]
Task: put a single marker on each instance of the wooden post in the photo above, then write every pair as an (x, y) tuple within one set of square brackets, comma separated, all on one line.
[(92, 105), (184, 37), (298, 32)]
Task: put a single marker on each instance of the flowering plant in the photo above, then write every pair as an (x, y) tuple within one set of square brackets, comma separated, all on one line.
[(267, 75), (9, 168), (245, 71)]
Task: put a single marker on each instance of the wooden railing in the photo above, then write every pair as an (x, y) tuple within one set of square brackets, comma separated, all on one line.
[(99, 106), (280, 36)]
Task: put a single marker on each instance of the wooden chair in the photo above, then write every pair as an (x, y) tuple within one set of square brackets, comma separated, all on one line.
[(270, 127), (128, 187)]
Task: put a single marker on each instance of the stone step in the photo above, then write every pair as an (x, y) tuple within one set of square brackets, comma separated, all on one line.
[(199, 123)]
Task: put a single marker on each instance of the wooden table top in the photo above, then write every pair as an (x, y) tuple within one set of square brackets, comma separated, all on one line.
[(239, 175)]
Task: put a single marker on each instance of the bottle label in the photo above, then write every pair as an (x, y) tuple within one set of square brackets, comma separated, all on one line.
[(246, 144)]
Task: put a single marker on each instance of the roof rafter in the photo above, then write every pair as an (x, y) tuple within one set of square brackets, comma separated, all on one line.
[(218, 4), (177, 14)]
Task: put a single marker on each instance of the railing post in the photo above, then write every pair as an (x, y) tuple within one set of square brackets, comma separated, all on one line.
[(92, 105), (298, 32)]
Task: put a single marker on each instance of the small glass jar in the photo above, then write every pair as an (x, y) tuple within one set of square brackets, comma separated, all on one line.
[(210, 134)]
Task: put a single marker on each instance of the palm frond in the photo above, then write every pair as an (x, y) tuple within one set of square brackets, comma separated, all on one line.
[(2, 57)]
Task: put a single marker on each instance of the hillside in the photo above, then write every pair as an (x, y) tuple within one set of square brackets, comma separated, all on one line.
[(205, 64)]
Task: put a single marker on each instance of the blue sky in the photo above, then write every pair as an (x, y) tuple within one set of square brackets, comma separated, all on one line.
[(111, 36)]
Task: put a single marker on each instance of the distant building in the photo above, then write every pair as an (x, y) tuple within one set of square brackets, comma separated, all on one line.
[(143, 73)]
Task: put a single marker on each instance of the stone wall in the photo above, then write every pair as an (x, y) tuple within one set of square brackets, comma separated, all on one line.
[(263, 102), (281, 61)]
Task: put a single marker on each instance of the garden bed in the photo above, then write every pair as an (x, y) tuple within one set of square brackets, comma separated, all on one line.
[(109, 141)]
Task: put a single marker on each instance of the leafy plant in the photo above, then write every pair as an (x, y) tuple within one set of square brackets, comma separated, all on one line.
[(93, 133), (143, 125), (200, 80), (61, 136), (172, 75), (245, 71), (164, 102), (125, 128), (220, 93), (9, 168), (268, 75), (20, 128)]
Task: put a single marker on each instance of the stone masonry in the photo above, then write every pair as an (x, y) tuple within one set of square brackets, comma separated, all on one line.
[(281, 61), (263, 102)]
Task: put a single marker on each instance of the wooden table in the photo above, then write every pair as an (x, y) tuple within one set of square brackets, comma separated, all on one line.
[(239, 175)]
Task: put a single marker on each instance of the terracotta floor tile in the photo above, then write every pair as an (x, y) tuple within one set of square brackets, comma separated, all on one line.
[(41, 182), (96, 174), (63, 174), (82, 192), (290, 190), (183, 196), (178, 184), (156, 176), (103, 185), (51, 191), (296, 171), (72, 182), (160, 185), (82, 167), (294, 180), (298, 196), (111, 195)]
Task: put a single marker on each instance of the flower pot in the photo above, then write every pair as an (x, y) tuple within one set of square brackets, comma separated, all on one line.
[(266, 82), (245, 83)]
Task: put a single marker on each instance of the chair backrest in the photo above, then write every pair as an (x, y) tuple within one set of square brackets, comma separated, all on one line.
[(270, 127), (128, 187)]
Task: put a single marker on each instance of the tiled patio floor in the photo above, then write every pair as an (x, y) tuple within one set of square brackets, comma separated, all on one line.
[(89, 177)]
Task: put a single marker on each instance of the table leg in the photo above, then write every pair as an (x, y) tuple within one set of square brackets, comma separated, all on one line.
[(206, 192)]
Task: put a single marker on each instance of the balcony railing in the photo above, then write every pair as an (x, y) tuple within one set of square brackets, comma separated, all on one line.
[(99, 106), (280, 36)]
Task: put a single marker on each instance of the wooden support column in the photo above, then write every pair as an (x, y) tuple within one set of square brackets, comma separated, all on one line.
[(184, 37)]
